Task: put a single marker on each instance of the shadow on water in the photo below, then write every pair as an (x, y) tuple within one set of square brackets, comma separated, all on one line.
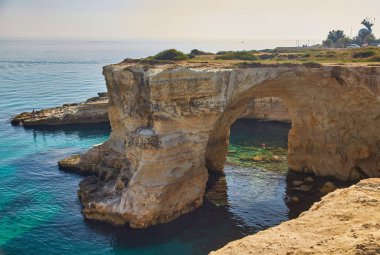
[(206, 229), (238, 203), (307, 197), (82, 131), (254, 132)]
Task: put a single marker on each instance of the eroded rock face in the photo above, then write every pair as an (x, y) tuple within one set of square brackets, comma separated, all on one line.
[(346, 221), (170, 126), (94, 110), (268, 108)]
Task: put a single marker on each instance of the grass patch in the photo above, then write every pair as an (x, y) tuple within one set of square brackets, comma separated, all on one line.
[(237, 55), (308, 57), (374, 59), (364, 54)]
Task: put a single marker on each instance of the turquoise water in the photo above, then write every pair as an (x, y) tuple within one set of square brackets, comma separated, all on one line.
[(39, 208)]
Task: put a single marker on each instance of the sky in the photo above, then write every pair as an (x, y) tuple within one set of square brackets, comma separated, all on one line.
[(184, 19)]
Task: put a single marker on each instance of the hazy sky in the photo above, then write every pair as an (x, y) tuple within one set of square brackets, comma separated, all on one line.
[(184, 19)]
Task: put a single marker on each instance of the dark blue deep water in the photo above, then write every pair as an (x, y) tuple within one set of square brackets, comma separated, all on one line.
[(39, 208)]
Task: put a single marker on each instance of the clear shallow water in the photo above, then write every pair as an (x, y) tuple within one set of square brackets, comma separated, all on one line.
[(39, 208)]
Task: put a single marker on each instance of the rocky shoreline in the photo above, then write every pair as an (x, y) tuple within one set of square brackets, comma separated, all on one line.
[(93, 110), (345, 221)]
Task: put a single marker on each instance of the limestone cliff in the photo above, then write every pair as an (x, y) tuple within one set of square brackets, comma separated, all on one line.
[(346, 221), (269, 109), (170, 126)]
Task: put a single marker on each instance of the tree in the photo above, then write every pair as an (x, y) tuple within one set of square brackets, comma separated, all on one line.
[(335, 35), (342, 42), (370, 38), (357, 40), (327, 43)]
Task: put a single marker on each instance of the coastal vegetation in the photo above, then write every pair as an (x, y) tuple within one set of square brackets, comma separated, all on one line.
[(307, 56), (338, 48), (365, 37), (171, 54), (236, 55)]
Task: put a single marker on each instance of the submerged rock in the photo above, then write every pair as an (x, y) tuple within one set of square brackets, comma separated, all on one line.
[(304, 188), (345, 221), (297, 183), (328, 187), (293, 199)]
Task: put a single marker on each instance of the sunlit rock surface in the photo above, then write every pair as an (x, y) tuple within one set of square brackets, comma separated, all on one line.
[(346, 221), (270, 109), (94, 110), (170, 126)]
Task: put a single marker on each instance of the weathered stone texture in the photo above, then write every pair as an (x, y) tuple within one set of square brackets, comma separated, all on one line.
[(170, 125), (346, 221), (94, 110), (267, 108)]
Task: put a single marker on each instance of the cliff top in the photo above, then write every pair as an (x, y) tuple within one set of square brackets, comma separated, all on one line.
[(307, 57)]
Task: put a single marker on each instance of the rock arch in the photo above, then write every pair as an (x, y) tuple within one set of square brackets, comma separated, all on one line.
[(171, 122)]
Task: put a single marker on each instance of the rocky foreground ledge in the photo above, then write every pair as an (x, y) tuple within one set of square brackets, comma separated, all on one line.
[(346, 221), (93, 110)]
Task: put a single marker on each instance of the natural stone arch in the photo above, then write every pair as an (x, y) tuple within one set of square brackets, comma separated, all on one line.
[(217, 146), (326, 115), (168, 121)]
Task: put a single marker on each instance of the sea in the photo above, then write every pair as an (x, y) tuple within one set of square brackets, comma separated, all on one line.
[(39, 208)]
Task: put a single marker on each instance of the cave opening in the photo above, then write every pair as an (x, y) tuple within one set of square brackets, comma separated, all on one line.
[(254, 181)]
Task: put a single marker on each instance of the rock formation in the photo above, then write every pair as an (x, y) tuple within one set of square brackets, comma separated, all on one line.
[(346, 221), (94, 110), (170, 126), (268, 108)]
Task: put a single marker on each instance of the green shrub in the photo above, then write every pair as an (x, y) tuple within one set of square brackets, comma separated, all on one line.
[(171, 54), (236, 55), (190, 56), (374, 59), (268, 50), (267, 56), (330, 55), (223, 52), (364, 54), (292, 56), (197, 52)]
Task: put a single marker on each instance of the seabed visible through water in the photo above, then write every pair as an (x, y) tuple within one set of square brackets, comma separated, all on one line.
[(39, 208)]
